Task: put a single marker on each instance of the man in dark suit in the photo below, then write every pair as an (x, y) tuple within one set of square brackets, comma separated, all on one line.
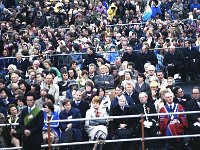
[(172, 61), (191, 60), (80, 104), (83, 106), (21, 64), (131, 92), (180, 96), (122, 128), (119, 93), (31, 122), (194, 119), (130, 56), (150, 128), (104, 80)]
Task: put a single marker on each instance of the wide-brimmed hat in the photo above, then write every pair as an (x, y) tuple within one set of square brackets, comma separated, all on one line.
[(72, 82)]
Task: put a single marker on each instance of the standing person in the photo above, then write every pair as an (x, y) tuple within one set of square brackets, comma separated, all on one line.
[(194, 119), (31, 122)]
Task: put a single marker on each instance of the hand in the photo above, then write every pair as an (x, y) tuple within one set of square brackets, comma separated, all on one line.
[(69, 125), (106, 82), (13, 131), (122, 126), (27, 133)]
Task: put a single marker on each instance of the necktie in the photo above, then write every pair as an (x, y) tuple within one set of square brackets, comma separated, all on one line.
[(13, 119), (77, 103), (97, 113), (170, 106), (29, 110)]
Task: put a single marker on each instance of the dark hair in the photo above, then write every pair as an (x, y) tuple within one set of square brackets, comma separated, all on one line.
[(30, 93), (98, 90), (2, 81), (120, 87), (10, 106), (75, 73), (66, 101), (21, 98), (6, 91), (42, 75), (28, 87), (37, 87), (51, 97), (175, 90), (142, 75), (49, 105)]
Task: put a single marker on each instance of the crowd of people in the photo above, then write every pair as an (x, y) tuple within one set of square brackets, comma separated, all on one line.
[(69, 59)]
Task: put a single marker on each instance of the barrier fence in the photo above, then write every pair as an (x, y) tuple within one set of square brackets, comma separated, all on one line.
[(142, 139)]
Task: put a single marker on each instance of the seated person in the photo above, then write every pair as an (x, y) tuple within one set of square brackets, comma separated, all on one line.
[(50, 114), (70, 131), (173, 124), (96, 129), (122, 128)]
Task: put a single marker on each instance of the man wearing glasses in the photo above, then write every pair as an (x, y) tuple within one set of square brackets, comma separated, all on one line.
[(194, 119)]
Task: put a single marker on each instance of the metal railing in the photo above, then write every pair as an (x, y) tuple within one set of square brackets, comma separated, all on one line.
[(142, 139)]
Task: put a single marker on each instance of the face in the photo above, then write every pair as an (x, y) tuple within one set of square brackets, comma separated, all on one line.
[(140, 79), (101, 93), (127, 76), (67, 106), (96, 105), (122, 101), (46, 65), (143, 98), (78, 96), (129, 50), (39, 78), (2, 85), (180, 93), (91, 69), (129, 88), (22, 87), (32, 75), (102, 69), (88, 88), (30, 101), (49, 79), (36, 64), (169, 98), (71, 73), (46, 109), (118, 91), (160, 75), (196, 94), (14, 78), (151, 71), (65, 76), (13, 111), (3, 95)]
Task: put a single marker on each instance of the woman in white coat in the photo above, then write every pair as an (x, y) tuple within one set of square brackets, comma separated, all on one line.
[(96, 129)]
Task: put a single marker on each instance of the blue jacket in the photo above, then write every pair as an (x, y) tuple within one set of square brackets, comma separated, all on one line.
[(155, 10), (53, 125)]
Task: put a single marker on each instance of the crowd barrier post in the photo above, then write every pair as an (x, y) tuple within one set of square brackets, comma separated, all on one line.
[(142, 128), (49, 135)]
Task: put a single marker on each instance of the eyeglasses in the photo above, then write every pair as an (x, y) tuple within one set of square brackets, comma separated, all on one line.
[(195, 93)]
